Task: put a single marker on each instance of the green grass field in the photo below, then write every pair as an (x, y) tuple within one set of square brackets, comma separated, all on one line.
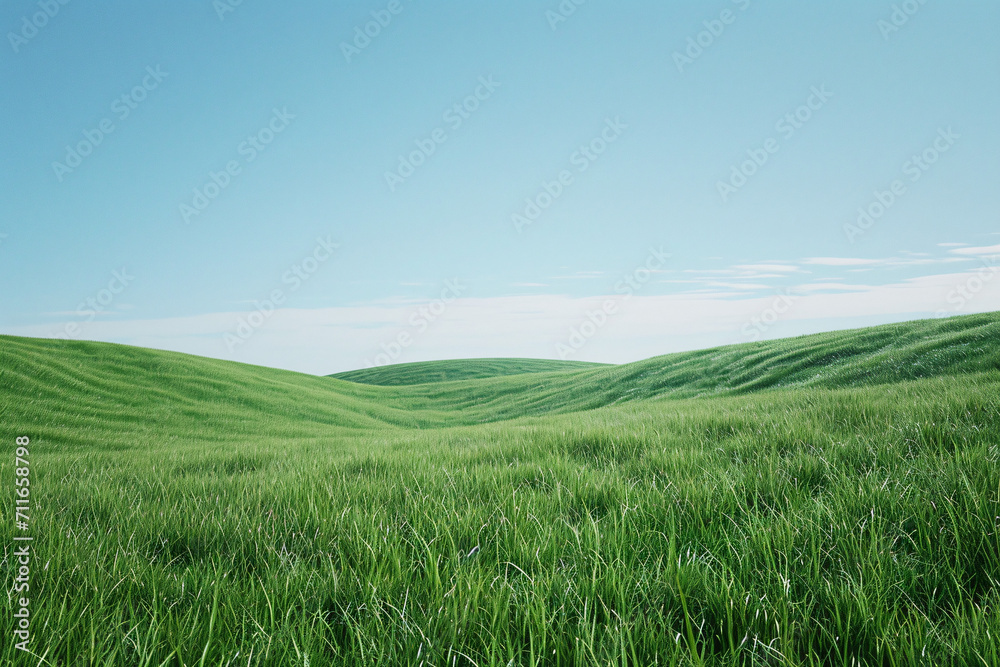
[(825, 500)]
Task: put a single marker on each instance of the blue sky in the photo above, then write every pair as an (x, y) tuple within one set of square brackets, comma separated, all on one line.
[(746, 159)]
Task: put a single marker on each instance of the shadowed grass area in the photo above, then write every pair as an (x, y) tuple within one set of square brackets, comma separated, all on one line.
[(827, 500)]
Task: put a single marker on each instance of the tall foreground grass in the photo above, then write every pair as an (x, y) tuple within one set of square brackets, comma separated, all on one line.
[(807, 526)]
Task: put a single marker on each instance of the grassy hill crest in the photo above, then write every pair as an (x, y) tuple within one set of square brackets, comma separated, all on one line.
[(424, 372)]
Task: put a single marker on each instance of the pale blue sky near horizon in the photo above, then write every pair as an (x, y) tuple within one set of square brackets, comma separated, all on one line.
[(555, 86)]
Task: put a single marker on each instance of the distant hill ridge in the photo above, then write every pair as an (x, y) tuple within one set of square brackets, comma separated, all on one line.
[(422, 372)]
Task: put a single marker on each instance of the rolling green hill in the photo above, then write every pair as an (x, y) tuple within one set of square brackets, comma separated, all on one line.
[(871, 356), (828, 499), (86, 387), (423, 372)]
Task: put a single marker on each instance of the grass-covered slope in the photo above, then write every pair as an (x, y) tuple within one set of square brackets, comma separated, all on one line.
[(98, 392), (422, 372), (187, 511)]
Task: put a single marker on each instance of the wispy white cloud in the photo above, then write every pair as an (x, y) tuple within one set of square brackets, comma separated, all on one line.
[(842, 261), (832, 287), (781, 268), (710, 272), (984, 250), (859, 263), (739, 286)]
